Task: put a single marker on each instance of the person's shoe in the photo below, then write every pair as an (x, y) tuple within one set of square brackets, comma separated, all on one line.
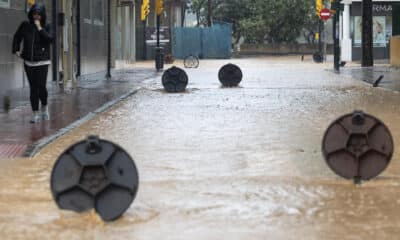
[(45, 113), (35, 117)]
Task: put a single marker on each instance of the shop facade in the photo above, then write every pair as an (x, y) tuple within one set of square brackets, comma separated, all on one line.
[(384, 22), (82, 42)]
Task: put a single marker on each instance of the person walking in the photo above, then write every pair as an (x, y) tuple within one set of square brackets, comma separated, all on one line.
[(37, 37)]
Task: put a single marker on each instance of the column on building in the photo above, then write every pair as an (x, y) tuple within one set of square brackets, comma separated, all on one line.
[(346, 54)]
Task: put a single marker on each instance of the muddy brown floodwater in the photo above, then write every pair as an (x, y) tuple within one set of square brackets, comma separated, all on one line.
[(223, 163)]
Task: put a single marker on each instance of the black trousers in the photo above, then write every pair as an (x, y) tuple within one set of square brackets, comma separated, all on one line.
[(37, 77)]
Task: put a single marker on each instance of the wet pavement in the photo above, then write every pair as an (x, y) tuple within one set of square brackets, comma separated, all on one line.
[(391, 75), (223, 163), (90, 93)]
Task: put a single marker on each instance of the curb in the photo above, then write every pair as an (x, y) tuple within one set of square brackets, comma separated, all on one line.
[(363, 82), (33, 149)]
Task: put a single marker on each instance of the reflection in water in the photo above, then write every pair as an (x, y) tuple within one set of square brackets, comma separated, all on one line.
[(223, 163)]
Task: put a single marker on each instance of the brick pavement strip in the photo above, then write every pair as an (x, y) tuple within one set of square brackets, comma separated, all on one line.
[(11, 150)]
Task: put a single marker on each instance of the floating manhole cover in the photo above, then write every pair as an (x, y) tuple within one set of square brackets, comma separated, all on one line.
[(175, 80), (98, 174), (230, 75), (358, 146)]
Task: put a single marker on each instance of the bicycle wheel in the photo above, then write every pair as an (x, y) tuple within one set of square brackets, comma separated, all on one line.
[(191, 62)]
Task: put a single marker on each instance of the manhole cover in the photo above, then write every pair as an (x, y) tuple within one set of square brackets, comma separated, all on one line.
[(358, 146), (98, 174), (230, 75), (175, 80)]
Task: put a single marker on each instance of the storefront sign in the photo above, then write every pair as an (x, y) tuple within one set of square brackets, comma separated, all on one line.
[(378, 9), (382, 8)]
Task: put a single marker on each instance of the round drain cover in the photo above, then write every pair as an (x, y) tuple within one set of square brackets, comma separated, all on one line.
[(175, 80), (95, 173), (358, 146), (230, 75)]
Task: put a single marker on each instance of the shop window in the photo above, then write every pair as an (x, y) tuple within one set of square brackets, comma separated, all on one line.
[(98, 12), (5, 3), (85, 11), (382, 31)]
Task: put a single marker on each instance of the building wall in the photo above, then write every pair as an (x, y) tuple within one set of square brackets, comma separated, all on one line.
[(395, 51), (12, 13), (123, 32), (93, 39), (11, 72)]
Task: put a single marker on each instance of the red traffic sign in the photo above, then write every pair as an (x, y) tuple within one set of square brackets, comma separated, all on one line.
[(325, 14)]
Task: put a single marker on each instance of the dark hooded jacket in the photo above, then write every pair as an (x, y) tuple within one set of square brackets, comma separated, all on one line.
[(36, 44)]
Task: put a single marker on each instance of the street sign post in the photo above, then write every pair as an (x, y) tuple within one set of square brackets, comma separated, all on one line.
[(318, 56), (336, 45), (159, 50), (145, 11), (319, 6), (367, 38)]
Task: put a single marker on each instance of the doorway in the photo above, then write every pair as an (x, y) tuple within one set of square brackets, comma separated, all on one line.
[(125, 34)]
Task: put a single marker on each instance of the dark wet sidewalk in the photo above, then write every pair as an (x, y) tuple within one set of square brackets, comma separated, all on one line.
[(17, 135), (390, 80)]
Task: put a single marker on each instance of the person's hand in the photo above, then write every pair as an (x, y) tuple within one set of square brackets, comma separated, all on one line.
[(38, 24), (18, 53)]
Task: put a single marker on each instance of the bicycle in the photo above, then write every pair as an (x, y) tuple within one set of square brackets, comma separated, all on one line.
[(191, 61)]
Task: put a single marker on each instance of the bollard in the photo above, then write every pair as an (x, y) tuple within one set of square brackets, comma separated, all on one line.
[(358, 146), (318, 57), (97, 174), (230, 75), (6, 103), (175, 80), (159, 58)]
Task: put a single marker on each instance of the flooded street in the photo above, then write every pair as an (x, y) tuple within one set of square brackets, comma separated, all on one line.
[(223, 163)]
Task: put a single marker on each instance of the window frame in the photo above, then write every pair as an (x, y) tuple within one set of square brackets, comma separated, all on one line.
[(6, 4), (85, 19), (98, 22)]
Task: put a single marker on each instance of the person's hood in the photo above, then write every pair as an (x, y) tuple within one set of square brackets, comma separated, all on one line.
[(41, 9)]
